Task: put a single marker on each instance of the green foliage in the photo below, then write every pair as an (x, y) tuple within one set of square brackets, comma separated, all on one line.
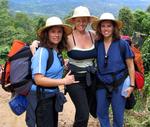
[(147, 85), (146, 24), (5, 21), (146, 54), (126, 16), (18, 26), (41, 23), (64, 54), (139, 23), (3, 53)]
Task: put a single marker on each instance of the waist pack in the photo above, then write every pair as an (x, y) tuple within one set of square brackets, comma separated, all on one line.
[(130, 102)]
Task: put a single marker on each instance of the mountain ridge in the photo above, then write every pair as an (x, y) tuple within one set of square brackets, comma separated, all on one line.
[(64, 7)]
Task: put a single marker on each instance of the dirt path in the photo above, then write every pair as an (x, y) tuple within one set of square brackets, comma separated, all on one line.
[(8, 119)]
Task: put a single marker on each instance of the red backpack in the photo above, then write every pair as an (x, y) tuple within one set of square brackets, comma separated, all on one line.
[(6, 79), (138, 63), (139, 68)]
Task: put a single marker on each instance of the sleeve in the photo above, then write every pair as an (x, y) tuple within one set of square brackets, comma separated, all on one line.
[(39, 61), (128, 51)]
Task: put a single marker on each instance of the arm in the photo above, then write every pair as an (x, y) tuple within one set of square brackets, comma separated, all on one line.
[(41, 80), (131, 70)]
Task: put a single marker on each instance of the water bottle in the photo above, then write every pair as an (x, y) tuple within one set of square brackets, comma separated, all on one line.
[(126, 84)]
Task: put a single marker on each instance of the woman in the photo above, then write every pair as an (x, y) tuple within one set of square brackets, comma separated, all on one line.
[(81, 53), (41, 111), (112, 70)]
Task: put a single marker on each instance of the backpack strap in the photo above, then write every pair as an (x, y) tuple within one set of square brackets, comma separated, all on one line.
[(50, 58), (91, 37), (74, 39)]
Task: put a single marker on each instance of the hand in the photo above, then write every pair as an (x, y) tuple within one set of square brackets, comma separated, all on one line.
[(129, 90), (69, 79), (34, 45)]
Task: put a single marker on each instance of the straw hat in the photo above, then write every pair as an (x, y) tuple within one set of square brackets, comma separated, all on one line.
[(106, 16), (55, 21), (81, 12)]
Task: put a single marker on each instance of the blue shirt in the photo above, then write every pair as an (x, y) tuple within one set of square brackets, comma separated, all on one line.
[(115, 62), (39, 64)]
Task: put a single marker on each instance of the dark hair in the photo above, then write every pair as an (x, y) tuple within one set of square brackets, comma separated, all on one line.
[(116, 31), (45, 42)]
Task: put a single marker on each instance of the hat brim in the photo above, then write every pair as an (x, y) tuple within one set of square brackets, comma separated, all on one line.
[(67, 29), (94, 25), (71, 19)]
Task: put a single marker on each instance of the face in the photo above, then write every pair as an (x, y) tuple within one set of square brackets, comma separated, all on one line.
[(106, 28), (81, 23), (55, 34)]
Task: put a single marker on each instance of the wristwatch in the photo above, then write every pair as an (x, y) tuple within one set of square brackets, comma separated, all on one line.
[(132, 86)]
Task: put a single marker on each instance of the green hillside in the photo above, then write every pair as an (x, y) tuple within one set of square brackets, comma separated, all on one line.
[(63, 7)]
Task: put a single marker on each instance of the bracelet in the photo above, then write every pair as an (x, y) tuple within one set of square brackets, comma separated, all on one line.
[(132, 86)]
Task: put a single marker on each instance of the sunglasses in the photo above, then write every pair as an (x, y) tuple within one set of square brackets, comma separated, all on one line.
[(59, 55), (106, 61)]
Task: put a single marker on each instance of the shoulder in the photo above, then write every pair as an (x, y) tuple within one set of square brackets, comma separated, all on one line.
[(41, 51), (123, 42), (70, 43), (93, 33), (69, 37)]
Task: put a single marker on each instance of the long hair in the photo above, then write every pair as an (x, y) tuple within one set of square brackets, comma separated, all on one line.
[(45, 42), (115, 34)]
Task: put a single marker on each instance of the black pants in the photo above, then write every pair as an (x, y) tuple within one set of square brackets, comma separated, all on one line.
[(78, 95), (46, 116)]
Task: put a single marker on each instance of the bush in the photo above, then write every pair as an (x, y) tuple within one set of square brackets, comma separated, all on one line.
[(146, 54)]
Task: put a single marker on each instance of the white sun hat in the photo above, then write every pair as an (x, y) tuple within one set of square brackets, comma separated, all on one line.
[(81, 11), (106, 16), (55, 21)]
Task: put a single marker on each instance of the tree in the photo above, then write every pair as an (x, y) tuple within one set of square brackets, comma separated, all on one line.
[(5, 20), (41, 23), (146, 54), (146, 24), (139, 16), (24, 22), (148, 9), (126, 16)]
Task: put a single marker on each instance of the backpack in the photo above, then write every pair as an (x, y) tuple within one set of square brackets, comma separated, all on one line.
[(138, 63), (17, 76)]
